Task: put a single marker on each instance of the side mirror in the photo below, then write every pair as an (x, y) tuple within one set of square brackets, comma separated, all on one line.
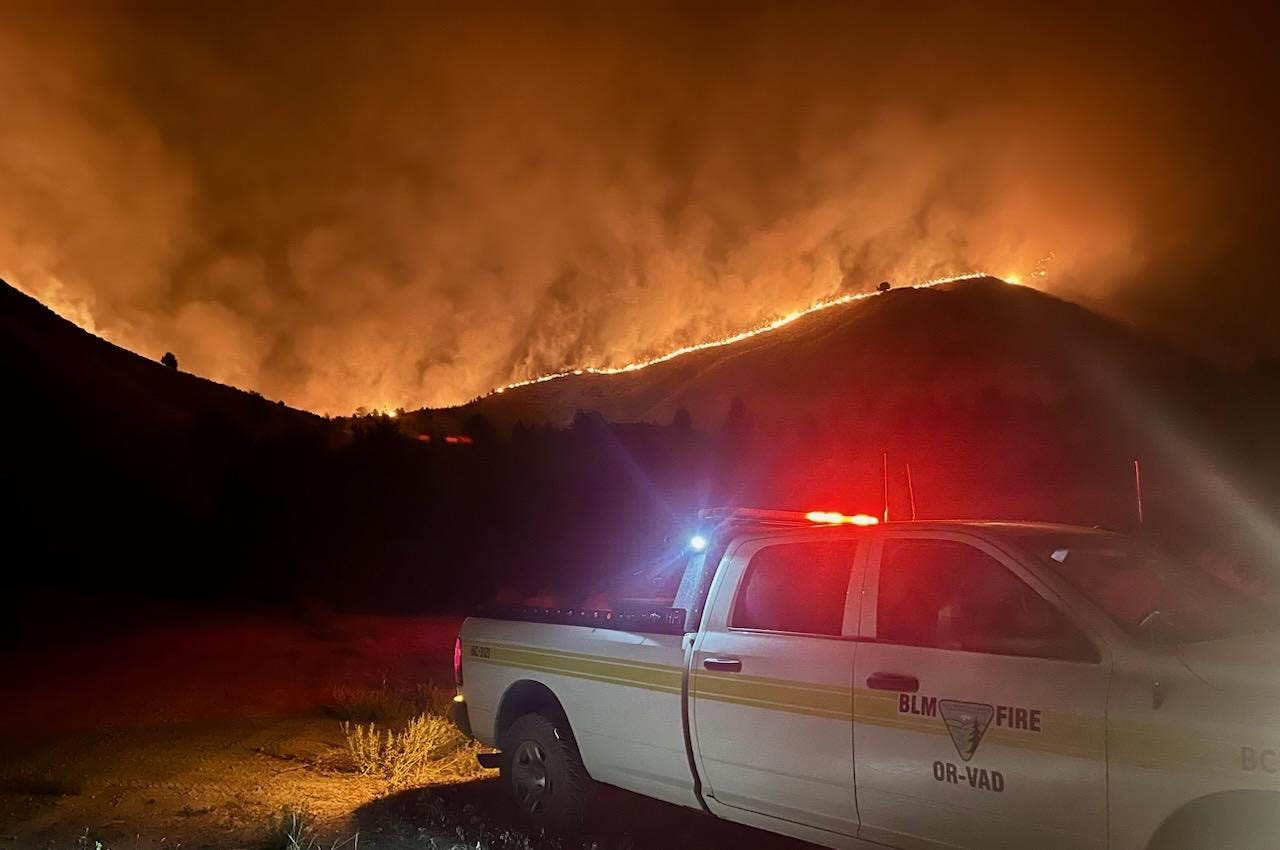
[(1159, 627)]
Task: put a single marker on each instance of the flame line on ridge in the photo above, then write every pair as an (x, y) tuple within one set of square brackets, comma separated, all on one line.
[(775, 324)]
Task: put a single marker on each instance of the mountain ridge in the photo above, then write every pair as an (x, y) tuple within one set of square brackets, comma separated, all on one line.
[(1007, 403), (47, 351), (936, 323)]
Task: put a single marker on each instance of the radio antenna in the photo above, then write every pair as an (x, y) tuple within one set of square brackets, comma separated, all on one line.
[(911, 490), (1137, 488), (884, 478)]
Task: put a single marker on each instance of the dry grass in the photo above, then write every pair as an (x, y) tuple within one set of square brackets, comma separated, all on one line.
[(296, 829), (388, 704), (291, 828), (429, 749), (403, 734)]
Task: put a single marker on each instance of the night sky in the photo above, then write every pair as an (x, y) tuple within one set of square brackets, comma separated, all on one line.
[(386, 205)]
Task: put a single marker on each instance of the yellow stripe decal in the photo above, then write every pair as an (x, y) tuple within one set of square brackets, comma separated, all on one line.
[(1062, 733), (657, 677)]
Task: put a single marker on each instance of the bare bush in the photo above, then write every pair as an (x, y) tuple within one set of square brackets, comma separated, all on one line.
[(428, 749)]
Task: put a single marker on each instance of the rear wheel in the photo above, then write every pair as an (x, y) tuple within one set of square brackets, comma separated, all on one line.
[(544, 774), (1240, 820)]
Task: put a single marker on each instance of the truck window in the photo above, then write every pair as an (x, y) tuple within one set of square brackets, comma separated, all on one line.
[(795, 587), (949, 595), (1133, 584)]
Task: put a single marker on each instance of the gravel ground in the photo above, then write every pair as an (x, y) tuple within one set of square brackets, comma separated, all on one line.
[(207, 733)]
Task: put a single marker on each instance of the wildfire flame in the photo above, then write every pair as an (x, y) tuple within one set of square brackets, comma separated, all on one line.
[(781, 321)]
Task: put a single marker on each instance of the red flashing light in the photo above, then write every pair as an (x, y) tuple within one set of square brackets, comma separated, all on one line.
[(836, 518), (457, 661)]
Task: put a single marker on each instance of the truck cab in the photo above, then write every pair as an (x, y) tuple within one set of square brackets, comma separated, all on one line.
[(927, 685)]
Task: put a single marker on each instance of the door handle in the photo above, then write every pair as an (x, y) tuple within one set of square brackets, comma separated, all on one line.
[(724, 665), (893, 682)]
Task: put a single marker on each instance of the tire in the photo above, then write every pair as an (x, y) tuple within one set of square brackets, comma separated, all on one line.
[(1243, 820), (544, 774)]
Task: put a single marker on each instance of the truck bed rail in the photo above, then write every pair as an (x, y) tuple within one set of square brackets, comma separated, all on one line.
[(666, 621)]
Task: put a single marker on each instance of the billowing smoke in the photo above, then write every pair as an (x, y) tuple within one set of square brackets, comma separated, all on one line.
[(351, 206)]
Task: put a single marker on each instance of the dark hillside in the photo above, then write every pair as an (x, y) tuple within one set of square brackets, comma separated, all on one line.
[(114, 463), (952, 343), (49, 358), (123, 477), (1007, 402)]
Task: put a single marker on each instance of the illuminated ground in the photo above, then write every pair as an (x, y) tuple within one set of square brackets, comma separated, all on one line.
[(201, 732)]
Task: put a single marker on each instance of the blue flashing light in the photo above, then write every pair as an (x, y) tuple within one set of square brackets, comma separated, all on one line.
[(697, 543)]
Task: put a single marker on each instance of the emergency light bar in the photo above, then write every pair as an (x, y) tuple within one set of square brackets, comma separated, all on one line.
[(834, 518), (768, 517)]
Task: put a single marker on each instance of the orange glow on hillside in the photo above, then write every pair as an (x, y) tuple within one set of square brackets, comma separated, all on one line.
[(780, 322)]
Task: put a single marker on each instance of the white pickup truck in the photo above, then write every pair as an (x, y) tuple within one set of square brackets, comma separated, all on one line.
[(855, 684)]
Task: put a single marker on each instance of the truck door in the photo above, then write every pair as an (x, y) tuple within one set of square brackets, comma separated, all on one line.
[(771, 684), (979, 706)]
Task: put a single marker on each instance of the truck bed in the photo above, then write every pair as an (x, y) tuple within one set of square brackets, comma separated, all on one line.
[(649, 670)]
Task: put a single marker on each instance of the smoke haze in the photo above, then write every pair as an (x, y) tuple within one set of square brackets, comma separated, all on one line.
[(381, 206)]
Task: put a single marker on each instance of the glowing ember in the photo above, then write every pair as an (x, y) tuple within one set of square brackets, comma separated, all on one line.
[(780, 322)]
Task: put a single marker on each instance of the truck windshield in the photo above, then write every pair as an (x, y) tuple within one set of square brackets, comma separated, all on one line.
[(1144, 592)]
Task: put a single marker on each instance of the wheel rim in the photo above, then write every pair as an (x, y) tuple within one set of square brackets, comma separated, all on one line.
[(529, 774)]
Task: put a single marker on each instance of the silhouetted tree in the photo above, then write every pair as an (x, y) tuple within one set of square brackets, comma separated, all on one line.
[(478, 428), (373, 429), (884, 286), (587, 421), (169, 360), (682, 421)]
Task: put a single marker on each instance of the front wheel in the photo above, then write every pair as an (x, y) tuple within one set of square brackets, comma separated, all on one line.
[(543, 771), (1235, 820)]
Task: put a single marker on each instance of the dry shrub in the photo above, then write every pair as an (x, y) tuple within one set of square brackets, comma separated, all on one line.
[(428, 749)]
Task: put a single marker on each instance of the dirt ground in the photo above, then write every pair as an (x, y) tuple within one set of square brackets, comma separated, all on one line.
[(212, 732)]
